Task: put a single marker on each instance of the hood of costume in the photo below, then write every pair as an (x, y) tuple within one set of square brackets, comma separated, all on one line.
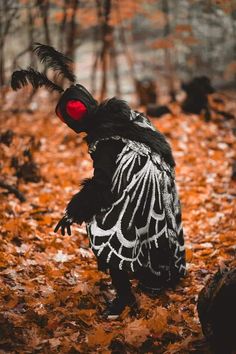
[(112, 118)]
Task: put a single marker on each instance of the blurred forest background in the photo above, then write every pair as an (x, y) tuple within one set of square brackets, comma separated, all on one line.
[(148, 52), (115, 43)]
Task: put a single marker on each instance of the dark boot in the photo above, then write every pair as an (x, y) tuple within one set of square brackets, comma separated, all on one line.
[(117, 306), (121, 283)]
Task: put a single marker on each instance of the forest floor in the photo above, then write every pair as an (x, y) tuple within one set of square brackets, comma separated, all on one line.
[(52, 295)]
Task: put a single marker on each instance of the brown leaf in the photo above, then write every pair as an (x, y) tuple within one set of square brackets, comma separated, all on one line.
[(158, 322), (136, 332), (99, 337)]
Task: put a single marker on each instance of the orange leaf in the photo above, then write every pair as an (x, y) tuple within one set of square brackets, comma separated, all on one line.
[(99, 337), (136, 332), (158, 322)]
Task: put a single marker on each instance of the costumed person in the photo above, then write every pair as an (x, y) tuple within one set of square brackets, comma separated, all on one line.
[(130, 205)]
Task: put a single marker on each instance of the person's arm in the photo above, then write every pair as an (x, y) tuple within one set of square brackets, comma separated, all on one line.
[(96, 192)]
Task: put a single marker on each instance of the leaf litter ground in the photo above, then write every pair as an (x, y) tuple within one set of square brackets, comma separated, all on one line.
[(52, 295)]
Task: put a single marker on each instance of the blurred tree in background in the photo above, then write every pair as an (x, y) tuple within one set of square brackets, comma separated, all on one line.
[(116, 43)]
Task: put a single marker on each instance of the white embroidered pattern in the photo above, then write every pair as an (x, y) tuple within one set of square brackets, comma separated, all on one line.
[(143, 226)]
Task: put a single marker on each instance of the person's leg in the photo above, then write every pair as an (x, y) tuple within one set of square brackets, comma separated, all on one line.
[(124, 296), (121, 283)]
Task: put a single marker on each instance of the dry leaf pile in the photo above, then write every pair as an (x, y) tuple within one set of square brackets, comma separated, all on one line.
[(52, 296)]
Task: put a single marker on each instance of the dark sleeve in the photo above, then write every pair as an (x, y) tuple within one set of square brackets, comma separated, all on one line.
[(96, 192)]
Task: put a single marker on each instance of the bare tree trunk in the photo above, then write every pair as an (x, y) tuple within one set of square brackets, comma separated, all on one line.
[(97, 36), (94, 71), (62, 27), (128, 54), (2, 42), (44, 10), (7, 17), (107, 54), (190, 69), (71, 35), (115, 67), (30, 36), (168, 59), (106, 38), (104, 59), (2, 65), (210, 45), (233, 22)]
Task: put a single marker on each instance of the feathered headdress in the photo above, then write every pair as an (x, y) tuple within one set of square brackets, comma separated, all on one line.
[(75, 103), (53, 60)]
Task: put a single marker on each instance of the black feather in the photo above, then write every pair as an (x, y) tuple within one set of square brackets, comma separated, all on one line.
[(113, 118), (54, 60), (22, 78)]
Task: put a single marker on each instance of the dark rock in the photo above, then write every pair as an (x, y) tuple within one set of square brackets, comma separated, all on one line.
[(217, 311), (157, 111), (197, 91), (146, 90)]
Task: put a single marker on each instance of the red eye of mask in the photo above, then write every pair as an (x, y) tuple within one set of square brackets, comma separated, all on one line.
[(76, 109)]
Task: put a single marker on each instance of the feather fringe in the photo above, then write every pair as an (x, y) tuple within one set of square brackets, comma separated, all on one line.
[(89, 201), (22, 78), (54, 60), (113, 118)]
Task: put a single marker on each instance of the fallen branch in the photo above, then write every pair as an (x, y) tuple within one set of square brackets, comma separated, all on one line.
[(13, 190)]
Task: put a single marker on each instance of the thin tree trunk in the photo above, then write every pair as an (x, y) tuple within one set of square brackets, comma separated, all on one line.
[(190, 68), (113, 56), (106, 39), (233, 22), (168, 59), (2, 79), (128, 54), (62, 28), (7, 17), (210, 44), (94, 72), (2, 65), (107, 54), (72, 31), (44, 9), (97, 55), (104, 57), (30, 36)]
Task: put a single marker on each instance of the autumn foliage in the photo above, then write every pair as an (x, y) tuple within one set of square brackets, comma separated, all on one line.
[(52, 295)]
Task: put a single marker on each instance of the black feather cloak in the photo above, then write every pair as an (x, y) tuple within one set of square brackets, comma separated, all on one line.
[(131, 205)]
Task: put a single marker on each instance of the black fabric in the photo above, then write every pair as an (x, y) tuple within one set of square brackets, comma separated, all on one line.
[(130, 205), (121, 283), (113, 118), (96, 192), (142, 228)]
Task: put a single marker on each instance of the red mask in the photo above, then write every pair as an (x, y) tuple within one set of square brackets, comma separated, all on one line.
[(75, 109)]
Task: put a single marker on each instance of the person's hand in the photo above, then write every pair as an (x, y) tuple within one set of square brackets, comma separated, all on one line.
[(64, 224)]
